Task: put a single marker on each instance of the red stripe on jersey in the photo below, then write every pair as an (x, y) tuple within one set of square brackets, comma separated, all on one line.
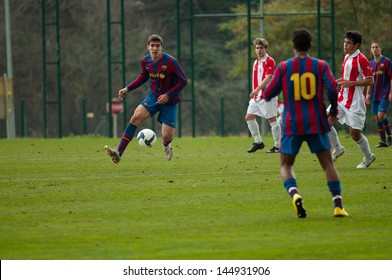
[(311, 108), (254, 77), (320, 97), (265, 66), (283, 68), (340, 97), (353, 77), (297, 104), (153, 85)]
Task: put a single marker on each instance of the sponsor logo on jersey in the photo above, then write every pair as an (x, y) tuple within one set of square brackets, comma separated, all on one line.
[(157, 75)]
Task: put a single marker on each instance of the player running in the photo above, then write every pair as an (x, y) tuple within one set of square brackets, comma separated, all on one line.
[(356, 75), (302, 79)]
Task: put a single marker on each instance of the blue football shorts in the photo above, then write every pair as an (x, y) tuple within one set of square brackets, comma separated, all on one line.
[(167, 112), (317, 143), (380, 106)]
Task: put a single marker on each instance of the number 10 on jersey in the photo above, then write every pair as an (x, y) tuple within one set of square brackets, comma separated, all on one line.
[(304, 86)]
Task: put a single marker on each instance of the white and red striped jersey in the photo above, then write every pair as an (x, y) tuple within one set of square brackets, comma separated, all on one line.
[(261, 68), (355, 67)]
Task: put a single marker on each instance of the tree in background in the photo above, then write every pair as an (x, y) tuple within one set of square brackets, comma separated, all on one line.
[(220, 46)]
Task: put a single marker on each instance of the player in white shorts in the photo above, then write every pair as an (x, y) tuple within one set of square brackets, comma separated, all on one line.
[(263, 70), (356, 76)]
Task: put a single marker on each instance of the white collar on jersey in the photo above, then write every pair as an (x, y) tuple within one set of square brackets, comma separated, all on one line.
[(263, 58), (356, 53)]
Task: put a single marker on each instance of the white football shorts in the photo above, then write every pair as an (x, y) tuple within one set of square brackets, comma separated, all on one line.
[(263, 108), (352, 119)]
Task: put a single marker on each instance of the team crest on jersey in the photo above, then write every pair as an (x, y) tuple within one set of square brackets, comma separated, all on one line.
[(164, 69)]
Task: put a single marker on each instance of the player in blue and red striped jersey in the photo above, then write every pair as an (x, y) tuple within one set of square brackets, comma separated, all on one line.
[(380, 94), (167, 79), (302, 80)]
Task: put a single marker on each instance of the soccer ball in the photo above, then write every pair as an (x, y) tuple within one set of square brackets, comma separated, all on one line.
[(146, 138)]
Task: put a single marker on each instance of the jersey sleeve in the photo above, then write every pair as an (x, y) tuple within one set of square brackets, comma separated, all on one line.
[(141, 79), (181, 81), (365, 66), (332, 89), (270, 66), (274, 87), (388, 68)]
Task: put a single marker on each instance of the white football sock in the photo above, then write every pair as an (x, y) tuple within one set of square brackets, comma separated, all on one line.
[(334, 139), (276, 132), (363, 144), (253, 127)]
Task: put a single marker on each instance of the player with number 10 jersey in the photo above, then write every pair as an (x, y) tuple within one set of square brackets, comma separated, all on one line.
[(302, 81)]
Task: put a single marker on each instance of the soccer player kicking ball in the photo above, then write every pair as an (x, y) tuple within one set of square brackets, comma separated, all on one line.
[(302, 79), (167, 79)]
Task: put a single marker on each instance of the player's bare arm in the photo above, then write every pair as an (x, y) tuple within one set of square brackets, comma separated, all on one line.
[(368, 95), (263, 84), (345, 83)]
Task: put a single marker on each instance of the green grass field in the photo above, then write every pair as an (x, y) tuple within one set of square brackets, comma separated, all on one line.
[(64, 199)]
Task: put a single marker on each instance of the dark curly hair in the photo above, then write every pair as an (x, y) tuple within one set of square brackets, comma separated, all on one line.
[(354, 36), (302, 40)]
